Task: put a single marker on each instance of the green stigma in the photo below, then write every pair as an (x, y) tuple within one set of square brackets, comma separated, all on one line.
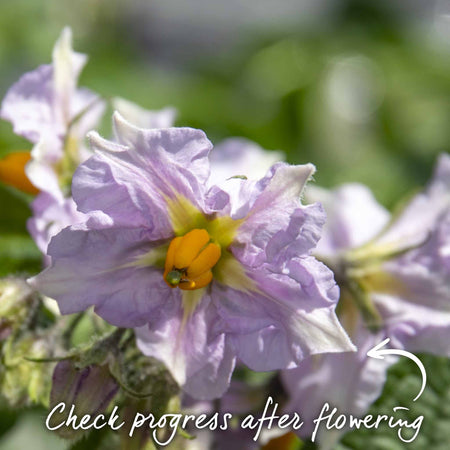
[(174, 277)]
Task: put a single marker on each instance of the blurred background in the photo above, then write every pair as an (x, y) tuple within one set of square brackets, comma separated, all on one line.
[(360, 88)]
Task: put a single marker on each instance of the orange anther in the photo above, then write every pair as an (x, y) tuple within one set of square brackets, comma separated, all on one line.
[(189, 260), (12, 172)]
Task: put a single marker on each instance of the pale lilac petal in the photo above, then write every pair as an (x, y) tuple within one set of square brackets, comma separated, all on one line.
[(300, 237), (282, 184), (272, 212), (104, 275), (413, 326), (144, 118), (49, 150), (50, 216), (444, 242), (353, 217), (217, 200), (420, 278), (417, 220), (416, 306), (46, 107), (188, 148), (38, 105), (28, 105), (67, 66), (87, 109), (351, 382), (239, 156), (291, 317), (40, 169), (242, 397), (201, 364), (80, 109), (161, 170), (234, 195)]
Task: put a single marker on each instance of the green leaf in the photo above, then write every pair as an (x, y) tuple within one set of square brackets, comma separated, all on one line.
[(18, 253), (403, 384)]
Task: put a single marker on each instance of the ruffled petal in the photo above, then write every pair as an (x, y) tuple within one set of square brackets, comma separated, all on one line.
[(288, 318), (40, 169), (28, 105), (134, 187), (67, 66), (415, 327), (187, 147), (99, 268), (414, 224), (201, 364), (353, 217), (87, 109), (414, 299), (299, 238), (46, 107), (144, 118), (273, 216), (50, 216), (39, 104)]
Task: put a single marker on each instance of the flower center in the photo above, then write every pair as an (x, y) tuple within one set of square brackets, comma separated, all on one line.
[(189, 260)]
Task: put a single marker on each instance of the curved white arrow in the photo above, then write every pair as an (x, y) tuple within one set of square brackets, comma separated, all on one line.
[(378, 353)]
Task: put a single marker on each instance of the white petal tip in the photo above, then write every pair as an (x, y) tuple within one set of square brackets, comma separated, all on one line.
[(66, 33), (93, 136), (311, 168)]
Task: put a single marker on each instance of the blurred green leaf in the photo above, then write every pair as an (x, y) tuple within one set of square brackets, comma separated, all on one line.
[(402, 386), (18, 253)]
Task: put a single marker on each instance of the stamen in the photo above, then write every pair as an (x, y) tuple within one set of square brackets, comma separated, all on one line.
[(189, 260), (190, 246), (12, 172)]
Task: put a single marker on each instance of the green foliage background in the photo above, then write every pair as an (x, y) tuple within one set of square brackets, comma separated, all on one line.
[(272, 86)]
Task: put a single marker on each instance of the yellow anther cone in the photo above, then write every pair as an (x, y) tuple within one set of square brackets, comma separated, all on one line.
[(189, 260), (169, 264), (204, 261), (190, 246)]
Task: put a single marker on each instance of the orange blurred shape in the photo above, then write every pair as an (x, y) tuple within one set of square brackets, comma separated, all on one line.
[(287, 441), (12, 172)]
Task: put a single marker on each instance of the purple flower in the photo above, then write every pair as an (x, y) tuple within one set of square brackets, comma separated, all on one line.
[(395, 282), (203, 279), (46, 107)]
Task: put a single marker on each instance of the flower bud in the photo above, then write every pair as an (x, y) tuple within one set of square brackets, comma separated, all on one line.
[(89, 389)]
